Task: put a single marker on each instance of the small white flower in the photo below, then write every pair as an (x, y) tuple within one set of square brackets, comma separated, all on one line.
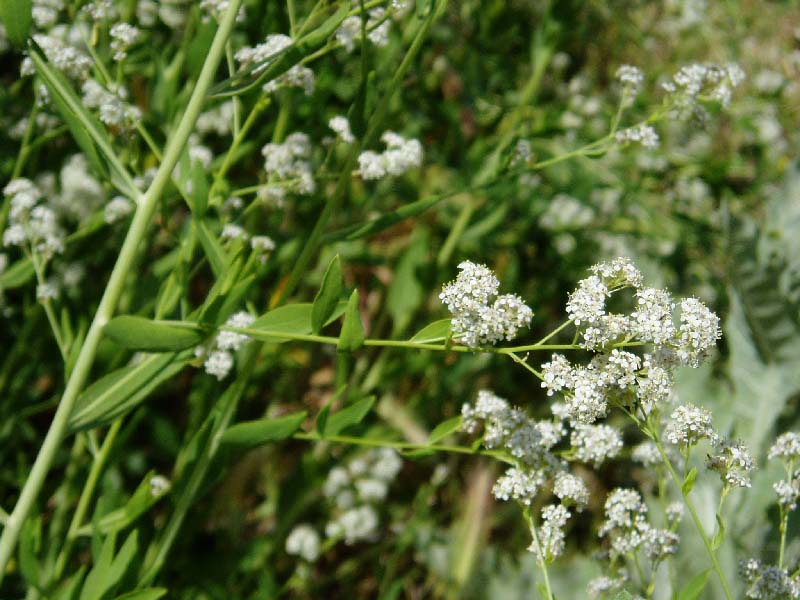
[(303, 541)]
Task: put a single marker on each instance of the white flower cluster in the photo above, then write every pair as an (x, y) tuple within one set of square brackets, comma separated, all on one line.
[(786, 449), (565, 212), (631, 77), (112, 107), (378, 25), (628, 530), (733, 461), (551, 532), (355, 492), (767, 582), (260, 56), (401, 155), (289, 162), (216, 120), (595, 443), (45, 12), (117, 209), (31, 222), (480, 316), (619, 375), (215, 9), (303, 541), (688, 425), (219, 358), (341, 127), (696, 82), (123, 36), (68, 59), (640, 134)]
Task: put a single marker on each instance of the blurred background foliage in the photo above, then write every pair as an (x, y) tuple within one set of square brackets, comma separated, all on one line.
[(713, 212)]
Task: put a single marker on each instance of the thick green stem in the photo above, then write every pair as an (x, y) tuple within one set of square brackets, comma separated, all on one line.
[(125, 262), (697, 523)]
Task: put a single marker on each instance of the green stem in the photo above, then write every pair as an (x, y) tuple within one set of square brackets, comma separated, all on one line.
[(125, 263), (98, 464), (406, 446), (540, 559), (698, 525), (48, 307), (375, 122)]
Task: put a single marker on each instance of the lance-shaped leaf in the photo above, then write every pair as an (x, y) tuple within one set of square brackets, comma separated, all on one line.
[(255, 433), (146, 335), (85, 128), (352, 336), (437, 331), (17, 18), (327, 298), (346, 417), (150, 490), (123, 390), (445, 428)]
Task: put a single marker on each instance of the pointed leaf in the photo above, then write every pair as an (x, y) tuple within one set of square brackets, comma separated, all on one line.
[(433, 332), (18, 274), (16, 17), (255, 433), (695, 587), (445, 428), (85, 128), (145, 496), (213, 249), (122, 390), (146, 335), (352, 336), (688, 482), (348, 416), (327, 298), (146, 594)]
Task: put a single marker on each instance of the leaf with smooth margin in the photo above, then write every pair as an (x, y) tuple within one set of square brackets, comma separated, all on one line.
[(255, 433)]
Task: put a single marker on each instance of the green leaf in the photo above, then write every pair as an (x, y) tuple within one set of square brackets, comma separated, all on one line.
[(719, 534), (256, 433), (29, 543), (623, 595), (200, 188), (327, 298), (352, 336), (107, 572), (213, 249), (145, 594), (406, 293), (291, 319), (68, 589), (348, 416), (122, 390), (145, 496), (437, 331), (695, 587), (688, 482), (146, 335), (445, 428), (16, 16), (85, 128), (17, 275)]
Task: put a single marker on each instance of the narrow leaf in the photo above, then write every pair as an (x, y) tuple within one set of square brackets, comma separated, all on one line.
[(255, 433), (145, 496), (688, 482), (327, 298), (17, 18), (695, 587), (146, 335), (348, 416), (122, 390), (213, 249), (433, 332), (352, 336), (445, 428), (146, 594), (17, 275), (291, 319), (85, 128)]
